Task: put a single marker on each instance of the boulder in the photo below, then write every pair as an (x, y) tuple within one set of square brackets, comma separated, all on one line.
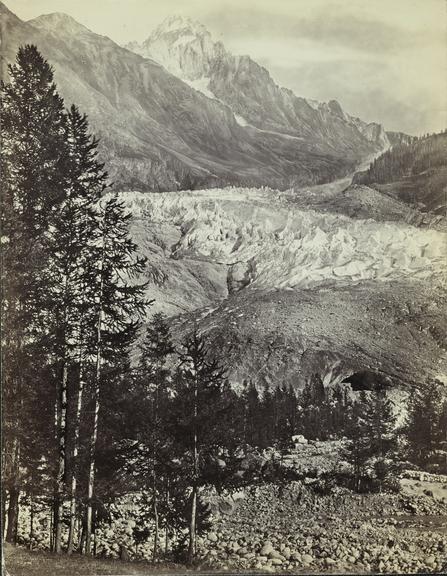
[(212, 537), (307, 559), (266, 549), (274, 554)]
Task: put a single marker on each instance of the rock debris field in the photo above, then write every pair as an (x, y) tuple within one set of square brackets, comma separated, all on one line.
[(291, 529)]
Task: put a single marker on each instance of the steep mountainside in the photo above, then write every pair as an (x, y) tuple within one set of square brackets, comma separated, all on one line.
[(285, 291), (414, 171), (157, 132), (186, 48)]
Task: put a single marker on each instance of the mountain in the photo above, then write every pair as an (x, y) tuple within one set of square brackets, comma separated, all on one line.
[(413, 171), (157, 132), (187, 49), (396, 138), (330, 279)]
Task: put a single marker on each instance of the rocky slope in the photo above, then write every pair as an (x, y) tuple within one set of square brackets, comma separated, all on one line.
[(187, 49), (157, 132), (284, 291)]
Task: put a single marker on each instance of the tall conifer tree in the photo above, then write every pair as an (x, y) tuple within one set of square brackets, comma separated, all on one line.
[(33, 168)]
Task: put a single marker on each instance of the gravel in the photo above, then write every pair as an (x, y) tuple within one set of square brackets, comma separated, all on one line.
[(291, 529)]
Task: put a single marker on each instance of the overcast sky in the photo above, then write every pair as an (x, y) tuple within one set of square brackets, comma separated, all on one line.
[(383, 60)]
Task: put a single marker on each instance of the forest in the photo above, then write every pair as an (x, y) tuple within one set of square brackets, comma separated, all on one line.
[(407, 159), (87, 421), (416, 168)]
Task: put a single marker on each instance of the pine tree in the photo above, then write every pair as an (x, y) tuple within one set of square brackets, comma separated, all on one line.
[(311, 401), (252, 415), (154, 378), (358, 448), (197, 412), (86, 183), (267, 432), (381, 423), (118, 304), (424, 428), (70, 312), (33, 165), (371, 438)]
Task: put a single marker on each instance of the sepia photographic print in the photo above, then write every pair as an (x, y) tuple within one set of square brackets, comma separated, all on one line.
[(223, 281)]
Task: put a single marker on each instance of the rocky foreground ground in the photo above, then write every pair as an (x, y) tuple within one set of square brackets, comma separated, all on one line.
[(291, 529), (301, 526)]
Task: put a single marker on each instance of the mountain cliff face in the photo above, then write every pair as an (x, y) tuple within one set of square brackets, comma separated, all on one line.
[(159, 133), (187, 49)]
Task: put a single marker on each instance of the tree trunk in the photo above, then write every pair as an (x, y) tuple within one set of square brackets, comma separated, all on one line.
[(62, 458), (3, 519), (57, 426), (82, 539), (166, 519), (13, 516), (74, 468), (94, 437), (14, 491), (95, 516), (155, 508), (31, 529), (51, 534), (154, 473), (91, 476), (79, 532), (166, 539), (192, 526)]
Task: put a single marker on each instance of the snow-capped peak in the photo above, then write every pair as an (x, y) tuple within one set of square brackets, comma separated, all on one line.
[(187, 49), (182, 24), (183, 46)]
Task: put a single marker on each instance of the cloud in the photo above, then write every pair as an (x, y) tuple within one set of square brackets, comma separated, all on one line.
[(339, 24)]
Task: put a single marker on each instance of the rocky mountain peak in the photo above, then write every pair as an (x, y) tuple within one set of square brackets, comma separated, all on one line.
[(58, 21), (183, 46), (180, 24), (187, 49), (4, 9)]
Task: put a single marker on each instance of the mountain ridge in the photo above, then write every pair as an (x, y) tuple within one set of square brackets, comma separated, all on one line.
[(158, 133), (186, 48)]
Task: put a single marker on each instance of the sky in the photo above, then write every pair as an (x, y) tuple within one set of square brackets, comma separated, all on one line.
[(383, 60)]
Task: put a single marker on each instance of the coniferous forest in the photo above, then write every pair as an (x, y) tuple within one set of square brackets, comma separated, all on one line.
[(100, 401), (415, 171)]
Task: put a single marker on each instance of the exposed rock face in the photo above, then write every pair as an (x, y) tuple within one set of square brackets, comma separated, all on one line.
[(159, 133), (240, 275), (187, 49), (399, 138)]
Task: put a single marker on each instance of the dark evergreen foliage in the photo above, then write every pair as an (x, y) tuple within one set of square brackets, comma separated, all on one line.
[(372, 441), (426, 426), (70, 299), (408, 159)]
